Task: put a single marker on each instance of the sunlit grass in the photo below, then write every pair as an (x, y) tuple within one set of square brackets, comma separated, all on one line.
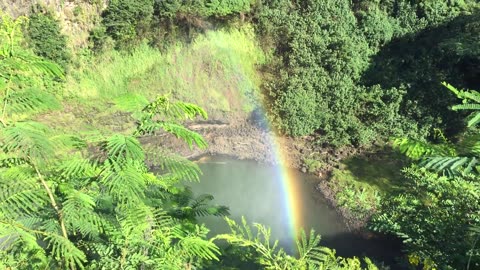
[(217, 71)]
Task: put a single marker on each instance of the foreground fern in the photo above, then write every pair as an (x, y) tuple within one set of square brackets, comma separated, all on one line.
[(61, 207), (447, 158), (66, 206), (310, 254)]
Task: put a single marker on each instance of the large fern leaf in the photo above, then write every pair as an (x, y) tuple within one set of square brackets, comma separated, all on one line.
[(124, 183), (64, 250), (79, 215), (173, 164), (124, 148), (179, 131), (28, 139)]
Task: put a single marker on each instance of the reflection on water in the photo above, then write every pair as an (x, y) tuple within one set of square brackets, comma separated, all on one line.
[(255, 191)]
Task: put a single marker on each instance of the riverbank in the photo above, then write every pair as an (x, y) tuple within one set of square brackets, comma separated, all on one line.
[(233, 135), (243, 139)]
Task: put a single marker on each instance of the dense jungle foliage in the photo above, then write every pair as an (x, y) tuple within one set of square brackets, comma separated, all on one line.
[(64, 207), (77, 189)]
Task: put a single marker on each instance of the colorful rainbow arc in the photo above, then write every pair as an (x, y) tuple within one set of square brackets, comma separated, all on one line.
[(290, 189)]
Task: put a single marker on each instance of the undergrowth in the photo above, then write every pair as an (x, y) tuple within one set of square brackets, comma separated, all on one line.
[(363, 182), (217, 71)]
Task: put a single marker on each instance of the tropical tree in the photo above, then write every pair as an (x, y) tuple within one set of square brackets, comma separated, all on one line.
[(446, 157), (438, 213), (62, 206)]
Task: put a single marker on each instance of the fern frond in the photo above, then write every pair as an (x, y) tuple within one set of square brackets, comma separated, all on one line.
[(16, 235), (28, 140), (38, 65), (462, 94), (179, 131), (270, 257), (196, 247), (173, 164), (474, 120), (313, 255), (164, 108), (124, 148), (77, 167), (200, 207), (78, 213), (19, 193), (415, 149), (31, 101), (131, 102), (453, 165), (64, 250), (124, 183), (50, 225), (467, 106)]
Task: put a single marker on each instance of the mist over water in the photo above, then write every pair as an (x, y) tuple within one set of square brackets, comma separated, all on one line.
[(255, 191)]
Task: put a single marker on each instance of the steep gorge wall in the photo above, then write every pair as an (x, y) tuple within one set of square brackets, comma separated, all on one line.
[(76, 18)]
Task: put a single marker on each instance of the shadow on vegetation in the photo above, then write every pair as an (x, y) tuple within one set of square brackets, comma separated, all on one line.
[(380, 248), (380, 169), (449, 52)]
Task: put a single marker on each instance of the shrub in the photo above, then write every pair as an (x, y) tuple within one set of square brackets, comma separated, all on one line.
[(44, 36), (202, 8), (433, 217), (128, 21)]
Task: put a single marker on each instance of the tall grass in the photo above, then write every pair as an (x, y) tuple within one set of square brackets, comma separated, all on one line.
[(216, 71)]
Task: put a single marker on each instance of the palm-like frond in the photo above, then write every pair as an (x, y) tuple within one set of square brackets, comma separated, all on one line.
[(16, 238), (64, 250), (78, 213), (61, 248), (31, 100), (201, 206), (77, 167), (467, 106), (270, 257), (311, 253), (467, 96), (451, 165), (195, 246), (189, 136), (20, 194), (131, 102)]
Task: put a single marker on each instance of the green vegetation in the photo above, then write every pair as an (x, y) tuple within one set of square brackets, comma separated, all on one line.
[(44, 36), (216, 71), (433, 216), (341, 73), (361, 199), (354, 74), (127, 22), (91, 202)]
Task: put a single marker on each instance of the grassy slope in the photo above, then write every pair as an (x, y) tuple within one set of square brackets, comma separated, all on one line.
[(217, 71)]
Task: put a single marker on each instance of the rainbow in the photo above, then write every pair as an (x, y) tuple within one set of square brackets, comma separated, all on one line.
[(290, 188)]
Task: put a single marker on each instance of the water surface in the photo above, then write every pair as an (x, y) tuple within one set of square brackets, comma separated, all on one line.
[(254, 191)]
